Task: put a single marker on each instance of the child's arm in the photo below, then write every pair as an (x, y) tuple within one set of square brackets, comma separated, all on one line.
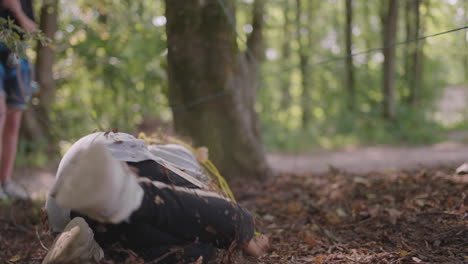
[(15, 7)]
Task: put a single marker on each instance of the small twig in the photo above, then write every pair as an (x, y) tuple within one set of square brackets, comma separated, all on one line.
[(167, 254), (404, 244), (229, 252), (35, 259), (360, 222), (40, 241), (449, 233), (437, 213)]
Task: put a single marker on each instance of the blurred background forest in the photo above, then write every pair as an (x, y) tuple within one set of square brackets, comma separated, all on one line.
[(324, 80)]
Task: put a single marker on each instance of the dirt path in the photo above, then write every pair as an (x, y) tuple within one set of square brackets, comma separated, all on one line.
[(378, 158), (361, 160)]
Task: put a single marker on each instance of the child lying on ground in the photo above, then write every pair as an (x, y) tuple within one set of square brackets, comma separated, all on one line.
[(154, 200)]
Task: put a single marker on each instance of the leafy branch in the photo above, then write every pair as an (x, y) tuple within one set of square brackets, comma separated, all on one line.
[(14, 37)]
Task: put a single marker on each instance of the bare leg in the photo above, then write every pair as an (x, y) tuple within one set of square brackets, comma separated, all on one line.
[(3, 114), (10, 141), (3, 109)]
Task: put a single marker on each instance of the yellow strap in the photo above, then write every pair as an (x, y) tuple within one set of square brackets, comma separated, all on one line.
[(206, 163)]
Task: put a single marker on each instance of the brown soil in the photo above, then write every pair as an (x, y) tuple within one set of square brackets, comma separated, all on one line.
[(416, 216), (328, 207)]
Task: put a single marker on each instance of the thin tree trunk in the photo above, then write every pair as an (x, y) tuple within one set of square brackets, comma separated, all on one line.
[(390, 20), (349, 59), (212, 86), (367, 40), (465, 47), (37, 120), (286, 53), (367, 26), (465, 41), (409, 35), (306, 97), (413, 65)]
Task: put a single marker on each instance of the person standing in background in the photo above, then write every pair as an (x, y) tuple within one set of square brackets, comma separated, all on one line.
[(15, 92)]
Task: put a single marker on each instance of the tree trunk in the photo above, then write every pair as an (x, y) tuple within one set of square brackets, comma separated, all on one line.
[(349, 59), (301, 29), (285, 77), (390, 20), (212, 85), (36, 119), (465, 41), (413, 65)]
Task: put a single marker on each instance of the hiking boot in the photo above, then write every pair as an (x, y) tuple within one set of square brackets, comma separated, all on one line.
[(75, 245), (95, 184), (3, 195), (13, 190)]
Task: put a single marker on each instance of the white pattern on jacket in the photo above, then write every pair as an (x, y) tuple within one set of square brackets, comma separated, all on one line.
[(127, 148)]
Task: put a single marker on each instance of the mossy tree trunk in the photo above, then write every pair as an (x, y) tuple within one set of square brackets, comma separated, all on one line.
[(212, 85)]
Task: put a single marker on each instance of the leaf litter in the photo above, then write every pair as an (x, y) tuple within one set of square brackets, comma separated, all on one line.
[(417, 216)]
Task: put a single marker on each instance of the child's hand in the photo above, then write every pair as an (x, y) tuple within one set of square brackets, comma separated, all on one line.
[(25, 22), (258, 246), (13, 5), (29, 25)]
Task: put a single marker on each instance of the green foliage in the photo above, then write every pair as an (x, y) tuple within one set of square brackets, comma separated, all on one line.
[(32, 154), (112, 69), (111, 72), (10, 35), (334, 125)]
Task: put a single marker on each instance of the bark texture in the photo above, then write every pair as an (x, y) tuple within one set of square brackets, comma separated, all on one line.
[(389, 19), (212, 85), (465, 41), (349, 59), (414, 51), (303, 35), (286, 98)]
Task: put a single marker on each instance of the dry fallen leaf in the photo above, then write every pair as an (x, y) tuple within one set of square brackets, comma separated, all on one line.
[(309, 239), (15, 258), (158, 200), (202, 154), (199, 260), (463, 169), (362, 180), (333, 218), (393, 214), (210, 229), (319, 260), (293, 207), (403, 253)]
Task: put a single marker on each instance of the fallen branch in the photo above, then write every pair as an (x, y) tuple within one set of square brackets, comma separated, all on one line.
[(40, 241)]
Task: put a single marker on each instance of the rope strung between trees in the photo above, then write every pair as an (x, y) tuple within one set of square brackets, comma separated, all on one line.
[(203, 99), (325, 61), (232, 23), (206, 98)]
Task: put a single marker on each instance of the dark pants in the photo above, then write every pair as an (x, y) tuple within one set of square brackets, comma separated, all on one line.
[(176, 222)]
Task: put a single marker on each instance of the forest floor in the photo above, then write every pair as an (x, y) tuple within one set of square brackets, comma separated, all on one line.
[(320, 209)]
